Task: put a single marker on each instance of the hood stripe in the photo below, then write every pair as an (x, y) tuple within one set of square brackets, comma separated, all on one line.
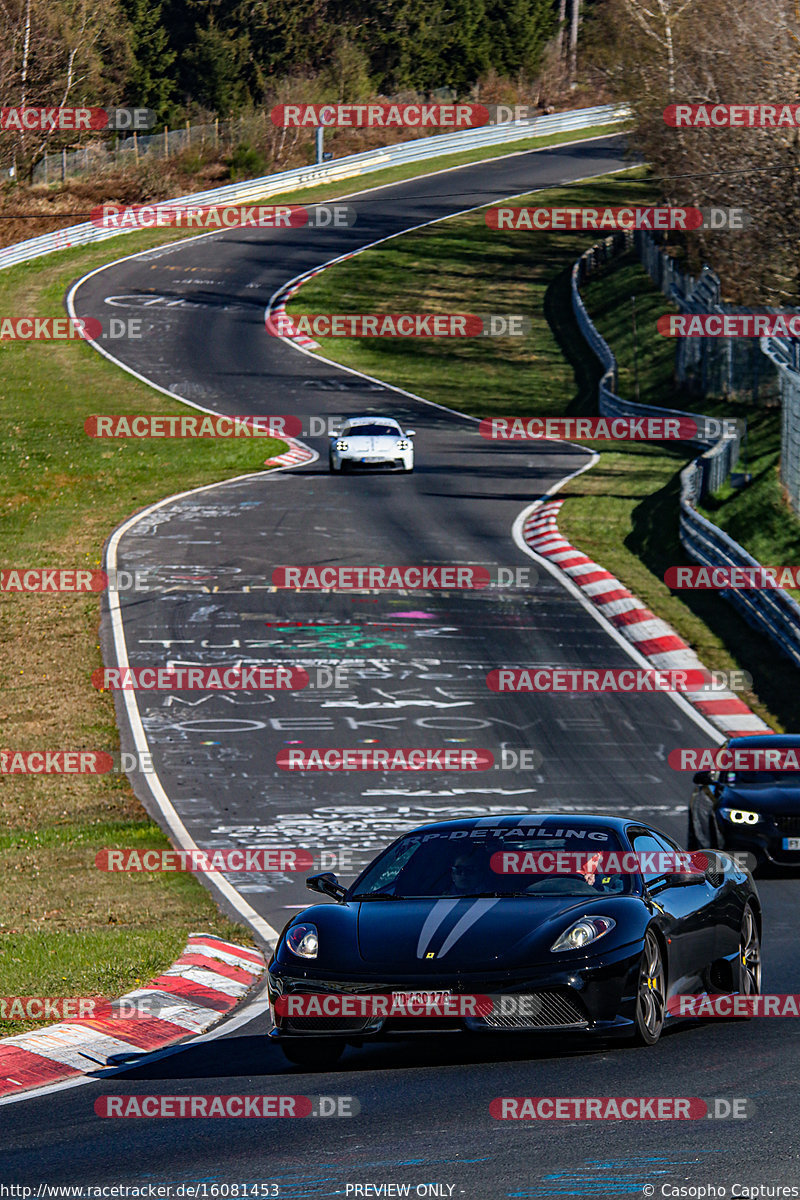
[(473, 914), (432, 922)]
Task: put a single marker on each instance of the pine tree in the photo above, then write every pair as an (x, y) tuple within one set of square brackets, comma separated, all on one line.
[(151, 81)]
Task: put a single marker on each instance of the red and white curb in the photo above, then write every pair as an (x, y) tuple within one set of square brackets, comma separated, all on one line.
[(278, 309), (651, 636), (297, 453), (206, 982)]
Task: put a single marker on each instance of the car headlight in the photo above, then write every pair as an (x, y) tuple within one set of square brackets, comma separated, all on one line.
[(303, 940), (403, 444), (583, 933), (341, 444), (740, 816)]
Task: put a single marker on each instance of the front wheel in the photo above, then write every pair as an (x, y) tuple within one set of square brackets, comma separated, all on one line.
[(316, 1054), (651, 993), (749, 955)]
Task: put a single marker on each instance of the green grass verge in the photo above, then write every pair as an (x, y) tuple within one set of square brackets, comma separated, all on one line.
[(624, 511), (65, 927)]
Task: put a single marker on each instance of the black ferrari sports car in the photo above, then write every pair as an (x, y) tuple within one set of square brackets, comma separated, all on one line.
[(753, 811), (432, 936)]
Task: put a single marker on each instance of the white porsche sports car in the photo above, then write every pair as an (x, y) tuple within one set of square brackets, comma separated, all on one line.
[(371, 442)]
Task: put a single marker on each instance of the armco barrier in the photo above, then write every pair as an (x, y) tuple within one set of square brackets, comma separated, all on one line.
[(772, 612), (784, 354), (720, 455), (352, 166)]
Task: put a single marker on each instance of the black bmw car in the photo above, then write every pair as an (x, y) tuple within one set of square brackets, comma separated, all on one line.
[(433, 919), (753, 811)]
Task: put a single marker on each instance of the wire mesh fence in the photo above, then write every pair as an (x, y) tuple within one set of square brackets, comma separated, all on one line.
[(115, 152)]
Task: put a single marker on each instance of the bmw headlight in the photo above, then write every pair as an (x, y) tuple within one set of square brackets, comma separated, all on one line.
[(341, 444), (303, 940), (740, 816), (583, 933)]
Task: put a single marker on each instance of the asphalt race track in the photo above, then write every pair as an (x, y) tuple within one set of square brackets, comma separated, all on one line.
[(416, 667)]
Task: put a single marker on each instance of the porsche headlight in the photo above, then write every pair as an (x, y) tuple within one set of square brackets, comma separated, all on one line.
[(403, 444), (583, 933), (341, 444), (303, 940), (740, 816)]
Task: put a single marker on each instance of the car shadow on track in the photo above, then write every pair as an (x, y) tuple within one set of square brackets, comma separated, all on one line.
[(248, 1056)]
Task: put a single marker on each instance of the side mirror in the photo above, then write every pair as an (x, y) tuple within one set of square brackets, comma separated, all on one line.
[(701, 777), (683, 878), (328, 885), (411, 433)]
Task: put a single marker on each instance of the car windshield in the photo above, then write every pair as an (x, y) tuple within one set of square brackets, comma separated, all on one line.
[(760, 778), (494, 862), (375, 430)]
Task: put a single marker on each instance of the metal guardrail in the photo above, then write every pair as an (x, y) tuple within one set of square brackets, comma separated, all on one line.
[(720, 454), (785, 358), (772, 612), (349, 167)]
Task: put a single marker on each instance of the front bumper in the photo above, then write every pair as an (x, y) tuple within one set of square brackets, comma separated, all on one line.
[(396, 460), (593, 996), (764, 840)]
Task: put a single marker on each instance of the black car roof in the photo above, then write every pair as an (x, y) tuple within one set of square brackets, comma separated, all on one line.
[(767, 740), (509, 820)]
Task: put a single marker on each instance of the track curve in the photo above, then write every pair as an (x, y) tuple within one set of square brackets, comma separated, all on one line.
[(417, 667)]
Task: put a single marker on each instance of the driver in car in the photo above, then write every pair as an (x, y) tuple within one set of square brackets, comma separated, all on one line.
[(470, 873)]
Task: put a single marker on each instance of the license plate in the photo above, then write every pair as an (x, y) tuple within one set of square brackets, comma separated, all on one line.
[(423, 997), (791, 843)]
